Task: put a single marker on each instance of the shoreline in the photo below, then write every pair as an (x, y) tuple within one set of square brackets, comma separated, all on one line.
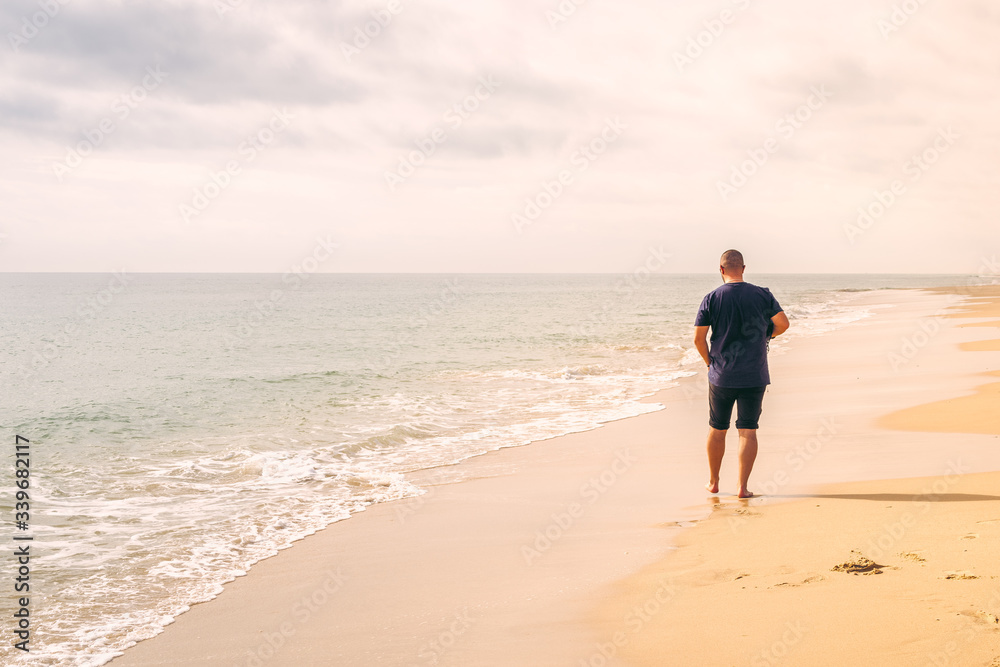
[(805, 571), (483, 532)]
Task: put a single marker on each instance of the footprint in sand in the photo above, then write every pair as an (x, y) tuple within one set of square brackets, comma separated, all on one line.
[(915, 557), (746, 512), (807, 580), (959, 575), (989, 618), (859, 564), (984, 616)]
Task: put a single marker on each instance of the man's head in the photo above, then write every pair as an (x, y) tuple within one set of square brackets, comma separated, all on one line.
[(731, 265)]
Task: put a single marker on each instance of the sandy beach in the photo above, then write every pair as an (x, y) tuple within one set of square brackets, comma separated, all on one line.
[(897, 572), (878, 443)]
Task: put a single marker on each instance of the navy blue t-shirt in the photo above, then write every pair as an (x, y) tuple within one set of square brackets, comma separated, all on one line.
[(739, 314)]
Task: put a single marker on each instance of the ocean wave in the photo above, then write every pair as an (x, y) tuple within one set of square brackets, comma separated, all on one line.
[(583, 371), (397, 435)]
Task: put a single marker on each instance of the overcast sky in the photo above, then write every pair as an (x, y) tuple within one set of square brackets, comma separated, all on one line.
[(230, 135)]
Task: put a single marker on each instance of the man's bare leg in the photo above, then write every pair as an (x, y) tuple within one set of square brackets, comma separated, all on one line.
[(748, 454), (716, 450)]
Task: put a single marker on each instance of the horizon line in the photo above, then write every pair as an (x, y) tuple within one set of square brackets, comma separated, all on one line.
[(494, 273)]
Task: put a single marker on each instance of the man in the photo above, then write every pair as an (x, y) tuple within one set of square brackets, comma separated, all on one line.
[(741, 317)]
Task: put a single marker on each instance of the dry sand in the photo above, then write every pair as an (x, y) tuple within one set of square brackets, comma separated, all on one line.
[(536, 555)]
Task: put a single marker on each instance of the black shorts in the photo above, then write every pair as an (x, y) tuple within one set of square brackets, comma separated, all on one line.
[(748, 402)]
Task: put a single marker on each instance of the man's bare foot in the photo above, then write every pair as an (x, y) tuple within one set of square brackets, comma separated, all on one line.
[(712, 487), (745, 494)]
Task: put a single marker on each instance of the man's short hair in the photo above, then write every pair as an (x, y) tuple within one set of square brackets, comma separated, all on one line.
[(732, 259)]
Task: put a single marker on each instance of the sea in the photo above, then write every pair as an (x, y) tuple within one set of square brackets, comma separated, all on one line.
[(182, 427)]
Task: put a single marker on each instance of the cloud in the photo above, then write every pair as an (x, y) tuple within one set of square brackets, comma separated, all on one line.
[(92, 53), (247, 57), (366, 86)]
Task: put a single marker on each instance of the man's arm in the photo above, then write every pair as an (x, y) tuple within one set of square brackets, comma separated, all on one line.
[(701, 342), (780, 324)]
